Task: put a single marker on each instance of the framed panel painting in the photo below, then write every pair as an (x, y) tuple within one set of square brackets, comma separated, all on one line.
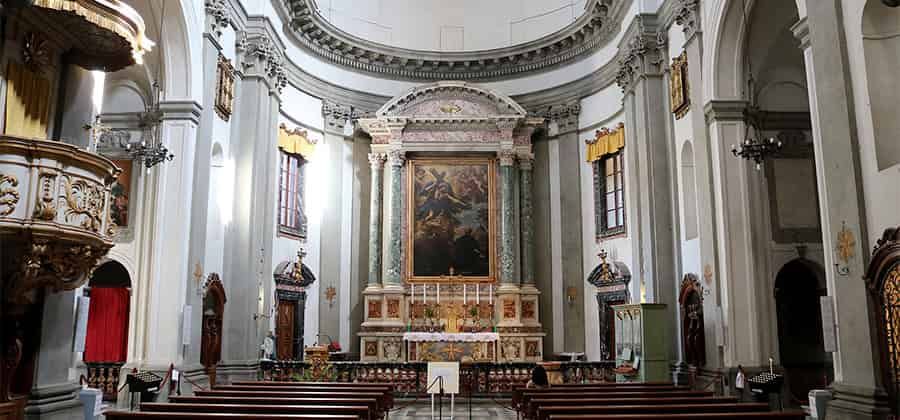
[(121, 194), (451, 224)]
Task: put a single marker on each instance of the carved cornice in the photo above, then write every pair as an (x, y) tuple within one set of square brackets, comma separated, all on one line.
[(336, 115), (594, 29), (218, 17), (642, 52), (261, 57)]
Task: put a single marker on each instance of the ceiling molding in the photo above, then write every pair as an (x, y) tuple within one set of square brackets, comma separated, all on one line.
[(593, 30)]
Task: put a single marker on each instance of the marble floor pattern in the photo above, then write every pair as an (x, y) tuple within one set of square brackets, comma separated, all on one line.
[(480, 410)]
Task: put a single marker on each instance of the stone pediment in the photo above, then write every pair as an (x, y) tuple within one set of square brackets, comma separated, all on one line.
[(451, 100)]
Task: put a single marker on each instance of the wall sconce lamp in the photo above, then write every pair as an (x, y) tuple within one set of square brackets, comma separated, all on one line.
[(571, 295)]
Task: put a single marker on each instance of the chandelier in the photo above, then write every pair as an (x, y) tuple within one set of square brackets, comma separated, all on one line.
[(150, 151), (753, 147)]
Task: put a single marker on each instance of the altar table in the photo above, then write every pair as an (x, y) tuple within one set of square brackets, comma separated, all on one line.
[(439, 347)]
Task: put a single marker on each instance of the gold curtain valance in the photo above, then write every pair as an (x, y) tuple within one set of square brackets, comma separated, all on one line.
[(295, 141), (605, 142)]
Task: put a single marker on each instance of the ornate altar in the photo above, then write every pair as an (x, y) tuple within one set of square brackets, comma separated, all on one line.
[(453, 252), (611, 281)]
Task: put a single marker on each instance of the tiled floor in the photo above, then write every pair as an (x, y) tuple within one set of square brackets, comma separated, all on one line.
[(421, 410)]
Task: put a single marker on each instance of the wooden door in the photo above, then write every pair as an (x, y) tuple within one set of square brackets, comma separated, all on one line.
[(284, 330)]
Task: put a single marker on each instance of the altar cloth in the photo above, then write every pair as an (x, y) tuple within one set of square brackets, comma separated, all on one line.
[(452, 337)]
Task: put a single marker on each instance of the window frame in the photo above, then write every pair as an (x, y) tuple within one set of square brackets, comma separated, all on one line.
[(601, 212), (296, 227)]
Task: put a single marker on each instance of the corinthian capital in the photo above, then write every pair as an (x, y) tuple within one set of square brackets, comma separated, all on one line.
[(397, 157), (377, 160), (644, 54), (218, 17), (688, 16), (261, 57), (507, 157)]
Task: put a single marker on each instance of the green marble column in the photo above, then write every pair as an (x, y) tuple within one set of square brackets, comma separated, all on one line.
[(507, 217), (526, 217), (377, 162), (395, 246)]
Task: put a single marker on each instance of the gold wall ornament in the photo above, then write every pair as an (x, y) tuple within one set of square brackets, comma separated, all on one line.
[(35, 52), (846, 249), (707, 274), (678, 86), (451, 108), (224, 88), (9, 196), (330, 294), (86, 200), (45, 208)]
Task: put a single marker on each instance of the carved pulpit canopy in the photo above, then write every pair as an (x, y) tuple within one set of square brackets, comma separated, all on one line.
[(291, 277), (449, 113), (609, 273)]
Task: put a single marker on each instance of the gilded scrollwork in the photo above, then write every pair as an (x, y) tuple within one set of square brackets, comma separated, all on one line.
[(9, 196), (57, 265), (45, 208), (86, 201)]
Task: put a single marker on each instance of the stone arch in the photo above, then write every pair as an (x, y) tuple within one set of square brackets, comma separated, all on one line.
[(688, 191), (881, 49), (217, 156)]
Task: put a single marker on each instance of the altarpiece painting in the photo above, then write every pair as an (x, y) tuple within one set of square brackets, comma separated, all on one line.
[(451, 220)]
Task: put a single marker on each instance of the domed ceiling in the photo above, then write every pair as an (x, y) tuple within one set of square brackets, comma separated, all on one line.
[(471, 40), (440, 25)]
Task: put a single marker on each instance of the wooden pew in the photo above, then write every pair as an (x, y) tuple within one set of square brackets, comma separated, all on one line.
[(370, 403), (526, 395), (517, 395), (358, 411), (127, 415), (531, 410), (544, 412), (385, 400), (301, 384), (793, 415)]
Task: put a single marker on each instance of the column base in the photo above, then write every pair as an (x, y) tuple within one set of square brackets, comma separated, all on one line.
[(54, 402), (680, 373), (856, 403)]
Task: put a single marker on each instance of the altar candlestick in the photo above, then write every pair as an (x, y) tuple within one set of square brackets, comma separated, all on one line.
[(424, 293), (464, 293), (438, 293), (491, 294), (412, 293), (477, 293)]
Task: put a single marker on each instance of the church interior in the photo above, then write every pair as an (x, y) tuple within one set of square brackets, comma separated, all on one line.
[(410, 209)]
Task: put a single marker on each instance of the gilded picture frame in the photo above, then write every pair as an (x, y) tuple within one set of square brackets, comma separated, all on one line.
[(224, 100), (678, 86), (442, 242)]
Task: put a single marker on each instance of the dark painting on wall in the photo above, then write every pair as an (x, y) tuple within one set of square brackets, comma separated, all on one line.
[(121, 194), (451, 220)]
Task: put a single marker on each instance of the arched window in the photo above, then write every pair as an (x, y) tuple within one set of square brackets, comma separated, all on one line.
[(688, 191), (881, 46)]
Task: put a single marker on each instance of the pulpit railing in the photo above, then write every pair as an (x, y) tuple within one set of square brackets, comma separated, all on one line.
[(105, 377), (411, 378)]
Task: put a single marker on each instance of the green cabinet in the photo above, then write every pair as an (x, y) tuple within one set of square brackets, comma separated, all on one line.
[(642, 342)]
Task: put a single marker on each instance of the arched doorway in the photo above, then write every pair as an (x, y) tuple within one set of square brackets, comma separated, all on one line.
[(106, 343), (798, 287), (883, 281), (211, 329)]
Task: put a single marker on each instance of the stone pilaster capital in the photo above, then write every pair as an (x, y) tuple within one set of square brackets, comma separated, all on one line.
[(336, 115), (507, 157), (563, 117), (526, 161), (397, 158), (377, 160), (801, 32), (218, 17), (261, 57), (688, 15), (642, 54)]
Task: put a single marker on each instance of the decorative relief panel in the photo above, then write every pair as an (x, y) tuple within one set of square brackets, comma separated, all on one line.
[(510, 349), (84, 203), (45, 208), (509, 309), (528, 309), (393, 308), (392, 350), (532, 349), (371, 348), (678, 86), (9, 195), (374, 309)]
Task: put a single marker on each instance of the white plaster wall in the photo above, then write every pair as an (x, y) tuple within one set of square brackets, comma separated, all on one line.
[(473, 24), (603, 108), (880, 187), (298, 107), (367, 83)]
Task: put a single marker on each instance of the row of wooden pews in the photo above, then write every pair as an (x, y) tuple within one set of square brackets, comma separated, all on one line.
[(273, 400), (635, 401)]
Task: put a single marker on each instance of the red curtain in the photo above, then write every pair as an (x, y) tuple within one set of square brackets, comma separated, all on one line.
[(107, 329)]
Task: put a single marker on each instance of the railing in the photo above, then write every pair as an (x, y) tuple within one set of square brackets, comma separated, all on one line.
[(411, 378), (105, 377)]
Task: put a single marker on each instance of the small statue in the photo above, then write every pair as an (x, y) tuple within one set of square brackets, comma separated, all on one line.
[(268, 346)]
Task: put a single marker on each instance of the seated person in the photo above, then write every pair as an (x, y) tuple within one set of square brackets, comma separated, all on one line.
[(538, 378)]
